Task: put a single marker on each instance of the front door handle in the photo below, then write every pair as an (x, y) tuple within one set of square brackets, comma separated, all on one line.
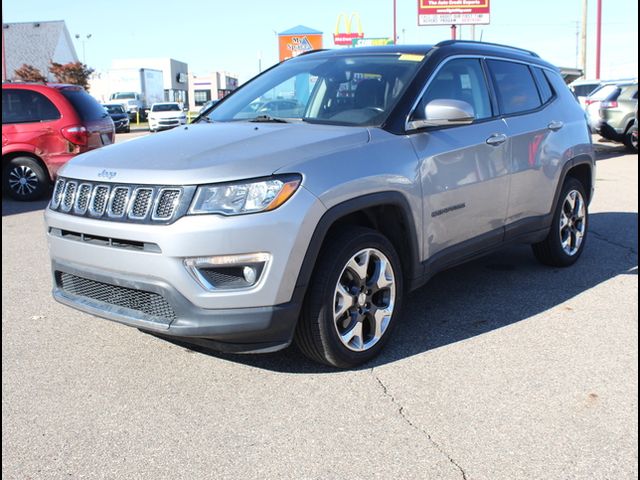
[(497, 139), (555, 125)]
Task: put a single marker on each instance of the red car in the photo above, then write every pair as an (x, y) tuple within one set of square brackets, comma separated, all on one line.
[(43, 127)]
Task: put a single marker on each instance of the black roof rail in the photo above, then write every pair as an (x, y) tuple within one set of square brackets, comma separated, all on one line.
[(472, 42)]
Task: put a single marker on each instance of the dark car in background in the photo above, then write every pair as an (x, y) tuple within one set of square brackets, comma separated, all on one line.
[(617, 113), (43, 127), (119, 116)]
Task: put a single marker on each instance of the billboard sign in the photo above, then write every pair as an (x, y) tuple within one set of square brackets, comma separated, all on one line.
[(347, 36), (453, 12), (293, 45), (371, 42)]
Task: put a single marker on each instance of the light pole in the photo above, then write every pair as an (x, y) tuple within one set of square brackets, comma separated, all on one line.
[(83, 40)]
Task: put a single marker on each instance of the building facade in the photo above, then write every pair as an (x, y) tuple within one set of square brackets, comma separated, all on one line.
[(203, 88), (175, 75), (36, 44)]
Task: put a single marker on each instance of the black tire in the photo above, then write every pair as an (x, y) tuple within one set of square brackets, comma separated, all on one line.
[(629, 141), (25, 179), (127, 130), (317, 332), (551, 251)]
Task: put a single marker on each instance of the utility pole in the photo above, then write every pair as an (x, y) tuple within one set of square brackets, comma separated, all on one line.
[(577, 42), (395, 28), (583, 38), (598, 38)]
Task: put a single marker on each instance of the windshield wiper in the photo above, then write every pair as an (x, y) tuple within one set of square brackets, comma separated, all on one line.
[(267, 119)]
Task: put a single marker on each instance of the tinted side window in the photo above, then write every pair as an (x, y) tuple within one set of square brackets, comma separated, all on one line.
[(87, 107), (630, 92), (543, 85), (515, 86), (461, 79), (25, 106)]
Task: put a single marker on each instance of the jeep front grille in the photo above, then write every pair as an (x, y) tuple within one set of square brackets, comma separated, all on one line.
[(118, 202)]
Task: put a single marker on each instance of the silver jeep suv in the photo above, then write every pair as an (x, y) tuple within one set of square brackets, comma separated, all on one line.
[(252, 228)]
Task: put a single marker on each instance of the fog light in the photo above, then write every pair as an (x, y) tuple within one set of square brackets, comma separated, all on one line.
[(249, 274), (228, 272)]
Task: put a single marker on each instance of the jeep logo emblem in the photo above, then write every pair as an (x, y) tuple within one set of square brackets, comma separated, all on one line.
[(107, 174)]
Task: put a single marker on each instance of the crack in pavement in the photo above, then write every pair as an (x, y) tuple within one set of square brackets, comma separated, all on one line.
[(403, 415), (601, 237)]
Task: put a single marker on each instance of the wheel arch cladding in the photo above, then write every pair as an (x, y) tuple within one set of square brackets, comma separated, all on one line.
[(387, 212)]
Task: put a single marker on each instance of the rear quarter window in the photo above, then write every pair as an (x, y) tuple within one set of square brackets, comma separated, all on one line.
[(515, 87), (27, 106), (545, 90), (85, 105)]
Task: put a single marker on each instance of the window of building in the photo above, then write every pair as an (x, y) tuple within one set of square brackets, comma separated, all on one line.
[(201, 97)]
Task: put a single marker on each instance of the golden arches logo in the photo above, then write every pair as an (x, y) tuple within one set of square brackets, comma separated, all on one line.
[(346, 37)]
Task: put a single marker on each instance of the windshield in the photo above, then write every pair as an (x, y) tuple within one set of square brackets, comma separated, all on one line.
[(123, 96), (357, 89), (111, 109), (165, 107)]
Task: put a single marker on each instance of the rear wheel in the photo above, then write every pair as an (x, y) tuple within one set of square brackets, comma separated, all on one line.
[(353, 301), (631, 139), (25, 179), (566, 239)]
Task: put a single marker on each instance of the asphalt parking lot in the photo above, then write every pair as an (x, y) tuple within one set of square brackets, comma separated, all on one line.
[(500, 369)]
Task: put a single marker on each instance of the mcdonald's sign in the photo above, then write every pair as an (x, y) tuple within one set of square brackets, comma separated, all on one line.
[(348, 35)]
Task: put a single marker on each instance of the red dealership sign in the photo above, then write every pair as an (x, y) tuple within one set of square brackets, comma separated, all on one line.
[(453, 12)]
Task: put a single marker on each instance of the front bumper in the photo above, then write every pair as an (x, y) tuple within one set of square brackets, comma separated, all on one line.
[(121, 125), (164, 124), (264, 314), (232, 330)]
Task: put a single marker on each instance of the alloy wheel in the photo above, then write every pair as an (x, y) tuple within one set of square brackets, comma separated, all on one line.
[(572, 222), (364, 299)]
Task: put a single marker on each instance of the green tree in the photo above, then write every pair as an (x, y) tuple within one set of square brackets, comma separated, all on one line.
[(29, 73), (75, 73)]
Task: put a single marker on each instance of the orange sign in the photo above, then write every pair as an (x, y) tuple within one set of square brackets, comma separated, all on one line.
[(293, 45)]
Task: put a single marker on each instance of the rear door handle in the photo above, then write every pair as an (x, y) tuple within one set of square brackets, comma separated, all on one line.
[(555, 125), (497, 139)]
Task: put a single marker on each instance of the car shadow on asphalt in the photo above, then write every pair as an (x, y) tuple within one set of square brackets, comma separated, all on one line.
[(13, 207), (490, 293), (609, 150)]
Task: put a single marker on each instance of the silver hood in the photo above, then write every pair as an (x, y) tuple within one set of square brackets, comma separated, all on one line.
[(209, 153)]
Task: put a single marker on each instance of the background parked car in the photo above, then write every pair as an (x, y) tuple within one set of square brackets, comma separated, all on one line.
[(616, 115), (166, 115), (119, 116), (583, 88), (43, 127)]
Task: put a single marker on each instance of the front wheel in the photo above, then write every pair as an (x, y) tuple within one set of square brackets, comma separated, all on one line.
[(566, 239), (353, 301), (25, 179)]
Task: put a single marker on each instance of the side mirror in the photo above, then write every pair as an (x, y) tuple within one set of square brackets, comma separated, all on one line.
[(443, 112)]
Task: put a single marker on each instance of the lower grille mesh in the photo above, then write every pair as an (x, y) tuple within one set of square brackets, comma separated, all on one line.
[(148, 303)]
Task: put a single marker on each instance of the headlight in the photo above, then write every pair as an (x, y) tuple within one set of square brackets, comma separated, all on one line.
[(245, 197)]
